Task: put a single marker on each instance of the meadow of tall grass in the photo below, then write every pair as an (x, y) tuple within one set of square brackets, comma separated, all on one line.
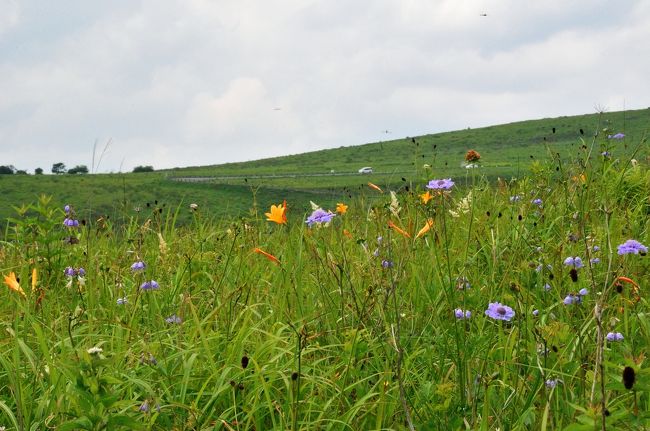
[(460, 304)]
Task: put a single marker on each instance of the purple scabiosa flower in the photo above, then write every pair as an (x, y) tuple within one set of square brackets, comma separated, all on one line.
[(583, 292), (70, 272), (547, 287), (575, 262), (387, 263), (550, 383), (535, 313), (596, 248), (499, 311), (81, 272), (138, 266), (616, 136), (462, 314), (571, 299), (174, 319), (594, 261), (605, 154), (149, 285), (319, 216), (614, 337), (144, 407), (537, 202), (66, 209), (632, 246), (445, 184), (122, 301)]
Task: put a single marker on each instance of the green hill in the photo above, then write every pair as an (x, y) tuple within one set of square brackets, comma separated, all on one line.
[(327, 176)]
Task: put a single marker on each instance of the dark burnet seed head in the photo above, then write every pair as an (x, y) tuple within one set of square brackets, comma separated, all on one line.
[(629, 377)]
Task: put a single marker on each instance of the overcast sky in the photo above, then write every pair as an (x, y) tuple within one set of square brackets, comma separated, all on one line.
[(197, 82)]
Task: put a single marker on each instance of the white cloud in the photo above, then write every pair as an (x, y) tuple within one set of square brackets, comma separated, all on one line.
[(178, 83)]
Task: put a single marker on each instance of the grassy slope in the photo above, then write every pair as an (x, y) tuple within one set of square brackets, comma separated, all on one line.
[(507, 150)]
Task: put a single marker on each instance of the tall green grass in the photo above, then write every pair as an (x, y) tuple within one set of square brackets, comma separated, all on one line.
[(355, 327)]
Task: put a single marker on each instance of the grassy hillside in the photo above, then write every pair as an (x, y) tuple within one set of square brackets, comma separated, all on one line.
[(507, 150), (327, 176)]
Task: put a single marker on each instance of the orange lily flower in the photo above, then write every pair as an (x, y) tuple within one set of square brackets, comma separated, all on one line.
[(635, 286), (375, 187), (341, 208), (269, 256), (428, 225), (278, 213), (12, 283), (426, 197), (398, 229)]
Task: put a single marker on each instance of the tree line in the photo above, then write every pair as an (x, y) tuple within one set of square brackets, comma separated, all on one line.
[(60, 168)]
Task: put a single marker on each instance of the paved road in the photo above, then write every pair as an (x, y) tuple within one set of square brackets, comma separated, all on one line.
[(272, 176)]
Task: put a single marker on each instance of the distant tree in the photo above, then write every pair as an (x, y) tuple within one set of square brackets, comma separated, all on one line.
[(21, 172), (7, 170), (58, 168), (38, 171), (143, 169), (79, 169)]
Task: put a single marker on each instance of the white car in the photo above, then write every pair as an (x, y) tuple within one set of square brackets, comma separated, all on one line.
[(365, 170)]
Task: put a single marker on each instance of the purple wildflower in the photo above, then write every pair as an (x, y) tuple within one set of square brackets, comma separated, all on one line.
[(462, 314), (174, 319), (122, 301), (594, 261), (387, 263), (583, 292), (149, 285), (499, 311), (81, 272), (596, 248), (144, 407), (605, 154), (575, 262), (515, 198), (445, 184), (632, 246), (616, 136), (537, 202), (70, 222), (535, 313), (547, 287), (138, 266), (70, 271), (551, 383), (571, 299), (319, 216), (614, 336), (66, 209)]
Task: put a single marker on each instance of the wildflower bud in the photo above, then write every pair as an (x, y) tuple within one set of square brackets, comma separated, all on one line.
[(294, 376), (244, 362), (574, 275)]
